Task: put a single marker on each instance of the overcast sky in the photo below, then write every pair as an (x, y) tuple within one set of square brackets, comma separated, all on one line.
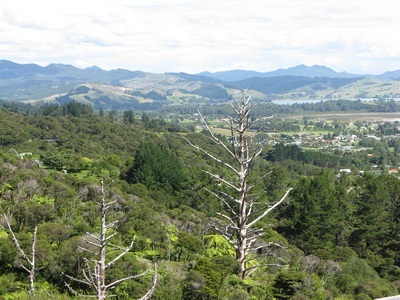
[(357, 36)]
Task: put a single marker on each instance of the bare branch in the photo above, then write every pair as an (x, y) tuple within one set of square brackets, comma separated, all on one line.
[(263, 265), (111, 224), (111, 235), (76, 280), (229, 219), (31, 261), (113, 284), (224, 201), (223, 180), (109, 204), (87, 273), (15, 240), (153, 286), (93, 244), (211, 156), (72, 291), (127, 249), (259, 180), (86, 250), (270, 209), (93, 236), (217, 140)]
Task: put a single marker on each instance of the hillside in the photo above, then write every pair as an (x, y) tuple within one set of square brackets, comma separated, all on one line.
[(123, 89), (367, 87), (334, 238)]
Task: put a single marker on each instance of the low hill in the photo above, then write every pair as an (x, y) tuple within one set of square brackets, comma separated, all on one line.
[(123, 89)]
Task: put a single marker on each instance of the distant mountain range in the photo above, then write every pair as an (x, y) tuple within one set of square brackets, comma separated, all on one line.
[(125, 89), (59, 72), (300, 70)]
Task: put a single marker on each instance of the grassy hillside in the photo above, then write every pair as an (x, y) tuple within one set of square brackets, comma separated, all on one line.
[(359, 89)]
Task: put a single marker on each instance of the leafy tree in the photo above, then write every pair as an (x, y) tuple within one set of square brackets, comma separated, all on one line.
[(56, 160)]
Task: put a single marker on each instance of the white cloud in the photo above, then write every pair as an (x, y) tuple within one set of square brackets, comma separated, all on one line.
[(192, 35)]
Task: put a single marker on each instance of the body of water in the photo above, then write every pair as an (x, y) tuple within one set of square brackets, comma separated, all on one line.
[(289, 102)]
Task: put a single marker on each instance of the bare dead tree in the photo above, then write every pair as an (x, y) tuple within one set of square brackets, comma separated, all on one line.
[(95, 270), (243, 210), (31, 268)]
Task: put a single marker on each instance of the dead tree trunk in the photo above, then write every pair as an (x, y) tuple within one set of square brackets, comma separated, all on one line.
[(244, 211), (95, 272), (31, 270)]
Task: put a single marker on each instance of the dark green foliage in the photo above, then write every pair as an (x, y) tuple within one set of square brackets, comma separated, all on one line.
[(212, 91), (56, 160), (150, 95), (357, 277), (187, 246), (157, 168), (316, 217), (284, 84), (377, 223), (283, 152), (8, 284), (128, 117), (208, 277), (287, 283), (67, 107), (167, 288), (372, 212), (31, 212), (145, 118), (7, 253)]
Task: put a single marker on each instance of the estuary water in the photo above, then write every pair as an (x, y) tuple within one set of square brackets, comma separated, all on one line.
[(289, 102)]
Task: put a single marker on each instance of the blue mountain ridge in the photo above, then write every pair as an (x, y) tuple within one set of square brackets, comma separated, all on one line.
[(9, 69)]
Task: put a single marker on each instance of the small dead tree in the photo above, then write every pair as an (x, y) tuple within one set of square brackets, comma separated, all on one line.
[(243, 211), (31, 268), (95, 271)]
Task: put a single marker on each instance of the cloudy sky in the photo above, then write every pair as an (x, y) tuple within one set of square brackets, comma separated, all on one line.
[(358, 36)]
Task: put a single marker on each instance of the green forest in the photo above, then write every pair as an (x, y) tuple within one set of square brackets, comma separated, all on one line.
[(169, 199)]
